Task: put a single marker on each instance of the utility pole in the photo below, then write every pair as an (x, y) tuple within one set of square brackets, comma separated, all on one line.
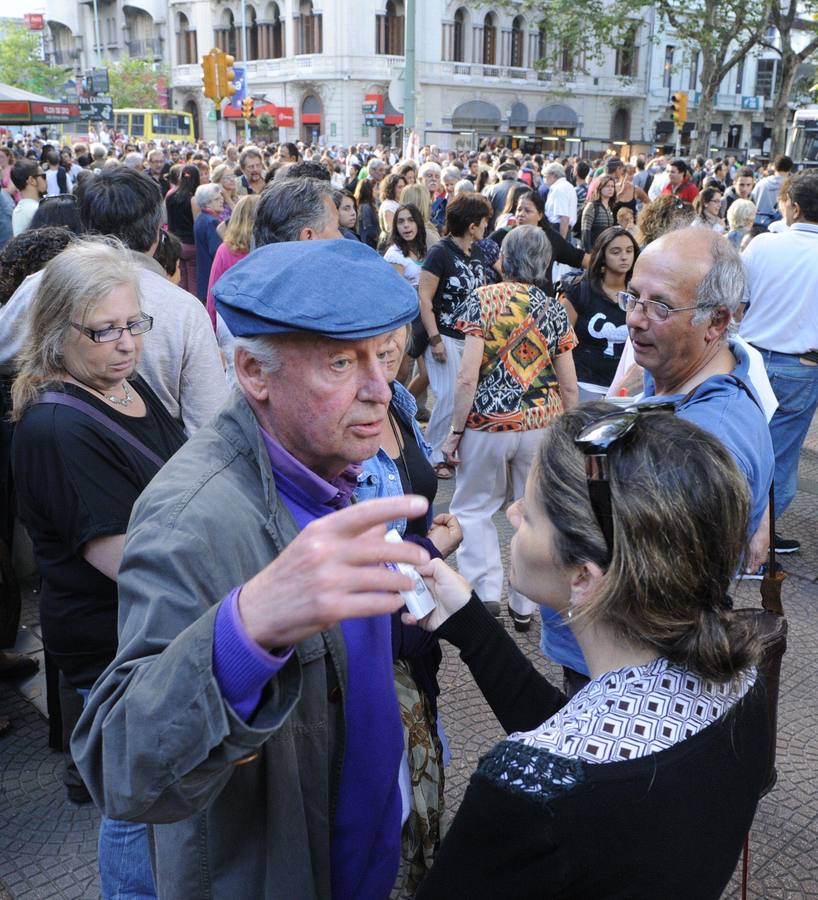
[(244, 60), (409, 73), (96, 35)]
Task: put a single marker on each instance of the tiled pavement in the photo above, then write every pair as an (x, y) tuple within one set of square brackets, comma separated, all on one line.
[(47, 845)]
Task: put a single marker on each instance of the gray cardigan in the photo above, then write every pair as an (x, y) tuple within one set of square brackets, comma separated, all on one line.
[(238, 809)]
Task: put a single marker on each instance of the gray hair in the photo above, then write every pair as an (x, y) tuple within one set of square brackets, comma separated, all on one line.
[(725, 283), (464, 186), (74, 282), (556, 169), (133, 160), (526, 255), (289, 205), (741, 214), (375, 163), (98, 151), (451, 173), (428, 167), (263, 348), (206, 194)]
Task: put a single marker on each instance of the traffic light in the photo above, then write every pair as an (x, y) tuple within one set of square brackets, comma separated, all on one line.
[(679, 103), (210, 75), (247, 107), (227, 75)]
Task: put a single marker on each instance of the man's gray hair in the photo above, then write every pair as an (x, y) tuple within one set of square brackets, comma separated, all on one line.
[(375, 163), (98, 151), (725, 283), (206, 194), (289, 205), (428, 167), (262, 348), (451, 173), (133, 160), (556, 169), (526, 256)]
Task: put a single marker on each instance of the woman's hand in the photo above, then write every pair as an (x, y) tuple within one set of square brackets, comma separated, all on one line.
[(449, 449), (446, 534), (439, 352), (450, 590)]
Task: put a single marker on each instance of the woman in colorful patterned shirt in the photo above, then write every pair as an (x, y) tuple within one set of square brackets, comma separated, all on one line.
[(516, 375)]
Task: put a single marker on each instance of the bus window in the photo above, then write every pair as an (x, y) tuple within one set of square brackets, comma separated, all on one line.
[(137, 125), (121, 122)]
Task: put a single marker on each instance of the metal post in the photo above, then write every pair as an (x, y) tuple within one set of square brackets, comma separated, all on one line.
[(409, 73), (678, 141), (244, 60), (96, 34)]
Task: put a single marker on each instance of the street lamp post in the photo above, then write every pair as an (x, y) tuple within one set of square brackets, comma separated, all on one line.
[(96, 35), (409, 73), (244, 60)]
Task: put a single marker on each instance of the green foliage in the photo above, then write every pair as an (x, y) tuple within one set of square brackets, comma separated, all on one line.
[(21, 66), (133, 82)]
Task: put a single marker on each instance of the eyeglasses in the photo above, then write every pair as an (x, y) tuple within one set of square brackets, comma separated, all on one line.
[(653, 309), (595, 440), (108, 335)]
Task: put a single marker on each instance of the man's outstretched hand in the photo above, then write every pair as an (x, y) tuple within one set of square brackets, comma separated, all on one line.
[(335, 569)]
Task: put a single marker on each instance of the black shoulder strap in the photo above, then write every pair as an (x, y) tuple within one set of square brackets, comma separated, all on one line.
[(92, 413)]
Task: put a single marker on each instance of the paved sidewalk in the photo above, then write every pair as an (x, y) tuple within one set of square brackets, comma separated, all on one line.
[(47, 845)]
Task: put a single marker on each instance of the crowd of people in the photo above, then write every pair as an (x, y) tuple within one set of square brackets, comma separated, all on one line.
[(228, 370)]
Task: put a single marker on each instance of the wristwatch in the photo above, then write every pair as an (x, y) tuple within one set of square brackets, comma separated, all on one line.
[(452, 430), (435, 339)]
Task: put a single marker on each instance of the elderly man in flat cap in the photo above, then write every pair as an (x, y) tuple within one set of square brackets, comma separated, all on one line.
[(250, 714)]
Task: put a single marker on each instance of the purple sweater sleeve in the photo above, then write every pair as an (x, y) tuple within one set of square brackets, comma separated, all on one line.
[(242, 668)]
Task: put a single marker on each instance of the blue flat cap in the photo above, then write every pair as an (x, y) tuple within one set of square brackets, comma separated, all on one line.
[(336, 288)]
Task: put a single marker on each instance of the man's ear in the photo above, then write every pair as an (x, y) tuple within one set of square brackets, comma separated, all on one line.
[(250, 375), (717, 325)]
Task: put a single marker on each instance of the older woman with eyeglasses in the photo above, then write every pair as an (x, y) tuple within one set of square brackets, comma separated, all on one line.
[(644, 784), (90, 434)]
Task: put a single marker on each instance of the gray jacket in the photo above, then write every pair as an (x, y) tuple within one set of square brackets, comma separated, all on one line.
[(238, 810)]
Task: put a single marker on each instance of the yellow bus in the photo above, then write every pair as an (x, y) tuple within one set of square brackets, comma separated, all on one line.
[(154, 124)]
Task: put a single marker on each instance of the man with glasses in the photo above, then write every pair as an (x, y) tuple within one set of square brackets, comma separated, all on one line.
[(686, 288), (29, 179)]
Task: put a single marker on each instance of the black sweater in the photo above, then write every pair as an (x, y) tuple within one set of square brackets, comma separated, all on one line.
[(668, 825)]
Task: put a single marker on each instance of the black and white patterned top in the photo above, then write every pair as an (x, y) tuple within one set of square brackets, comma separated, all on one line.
[(458, 275), (633, 712)]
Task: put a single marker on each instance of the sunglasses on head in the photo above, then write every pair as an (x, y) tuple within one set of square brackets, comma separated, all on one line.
[(595, 440)]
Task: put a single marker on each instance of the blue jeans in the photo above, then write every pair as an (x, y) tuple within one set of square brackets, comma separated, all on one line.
[(795, 385), (123, 857)]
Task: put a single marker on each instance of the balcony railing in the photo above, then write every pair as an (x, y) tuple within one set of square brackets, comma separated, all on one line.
[(146, 47), (491, 72)]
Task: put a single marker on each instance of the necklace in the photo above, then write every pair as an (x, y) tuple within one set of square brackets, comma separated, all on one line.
[(117, 401), (400, 449), (121, 401)]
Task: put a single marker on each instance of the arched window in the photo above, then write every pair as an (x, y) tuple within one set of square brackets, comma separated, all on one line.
[(517, 45), (621, 125), (312, 112), (389, 29), (226, 36), (186, 50), (459, 36), (308, 29), (252, 32), (490, 40), (271, 33)]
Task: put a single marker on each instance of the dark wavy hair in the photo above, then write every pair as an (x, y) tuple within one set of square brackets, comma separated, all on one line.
[(28, 253), (418, 245), (596, 265)]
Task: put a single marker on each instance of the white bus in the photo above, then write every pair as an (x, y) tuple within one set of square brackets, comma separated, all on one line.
[(802, 146)]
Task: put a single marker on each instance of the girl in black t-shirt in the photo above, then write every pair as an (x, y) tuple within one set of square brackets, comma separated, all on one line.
[(594, 311)]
